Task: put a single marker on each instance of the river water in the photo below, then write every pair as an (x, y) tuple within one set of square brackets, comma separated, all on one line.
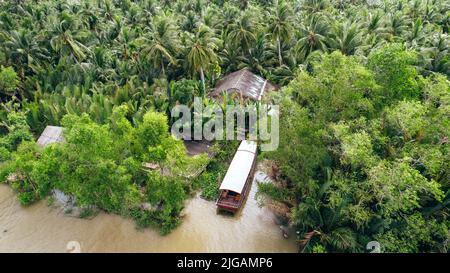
[(40, 228)]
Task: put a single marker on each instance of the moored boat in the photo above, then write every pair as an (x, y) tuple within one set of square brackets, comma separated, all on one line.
[(236, 183)]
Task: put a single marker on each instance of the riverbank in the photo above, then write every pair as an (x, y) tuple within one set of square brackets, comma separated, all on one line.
[(40, 228)]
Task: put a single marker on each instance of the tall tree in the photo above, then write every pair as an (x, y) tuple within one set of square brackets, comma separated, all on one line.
[(66, 35), (163, 44), (312, 36), (346, 37), (281, 25), (23, 50), (242, 33), (202, 52)]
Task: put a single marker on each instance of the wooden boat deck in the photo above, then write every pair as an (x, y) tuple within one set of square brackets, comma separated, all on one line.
[(229, 202)]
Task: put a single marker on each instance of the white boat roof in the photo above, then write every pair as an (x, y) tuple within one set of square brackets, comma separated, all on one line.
[(240, 167)]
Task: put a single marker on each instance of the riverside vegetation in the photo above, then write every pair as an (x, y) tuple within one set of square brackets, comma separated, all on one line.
[(365, 106)]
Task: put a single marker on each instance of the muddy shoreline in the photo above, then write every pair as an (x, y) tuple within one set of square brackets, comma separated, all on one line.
[(42, 228)]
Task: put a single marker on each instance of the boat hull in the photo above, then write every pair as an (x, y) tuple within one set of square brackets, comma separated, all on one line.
[(233, 206)]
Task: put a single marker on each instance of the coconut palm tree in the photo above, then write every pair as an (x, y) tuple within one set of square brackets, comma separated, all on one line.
[(126, 44), (202, 52), (313, 6), (434, 56), (261, 57), (65, 37), (230, 59), (242, 32), (326, 224), (23, 50), (281, 25), (372, 27), (373, 22), (395, 24), (417, 35), (346, 37), (312, 36), (163, 45), (228, 16)]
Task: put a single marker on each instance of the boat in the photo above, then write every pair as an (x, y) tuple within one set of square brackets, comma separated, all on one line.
[(236, 183)]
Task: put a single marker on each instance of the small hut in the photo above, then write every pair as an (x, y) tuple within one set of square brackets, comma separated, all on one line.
[(245, 84), (51, 134)]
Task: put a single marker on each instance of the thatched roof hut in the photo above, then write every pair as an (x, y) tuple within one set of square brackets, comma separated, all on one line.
[(245, 84), (51, 134)]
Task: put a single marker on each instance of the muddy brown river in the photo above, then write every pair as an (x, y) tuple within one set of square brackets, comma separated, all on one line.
[(40, 228)]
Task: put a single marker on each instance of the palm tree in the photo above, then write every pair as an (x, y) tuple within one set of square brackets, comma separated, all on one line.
[(127, 44), (6, 21), (189, 21), (202, 52), (314, 6), (65, 37), (261, 56), (417, 35), (312, 36), (230, 59), (23, 50), (395, 25), (101, 59), (431, 12), (373, 22), (281, 26), (163, 44), (434, 56), (113, 30), (160, 94), (228, 17), (346, 37), (242, 32), (316, 218), (415, 8), (373, 25)]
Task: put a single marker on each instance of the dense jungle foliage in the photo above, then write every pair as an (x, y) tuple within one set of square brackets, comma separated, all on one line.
[(365, 106)]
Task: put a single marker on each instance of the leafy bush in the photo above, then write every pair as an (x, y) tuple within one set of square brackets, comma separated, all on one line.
[(209, 181), (9, 80), (393, 68), (101, 166)]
